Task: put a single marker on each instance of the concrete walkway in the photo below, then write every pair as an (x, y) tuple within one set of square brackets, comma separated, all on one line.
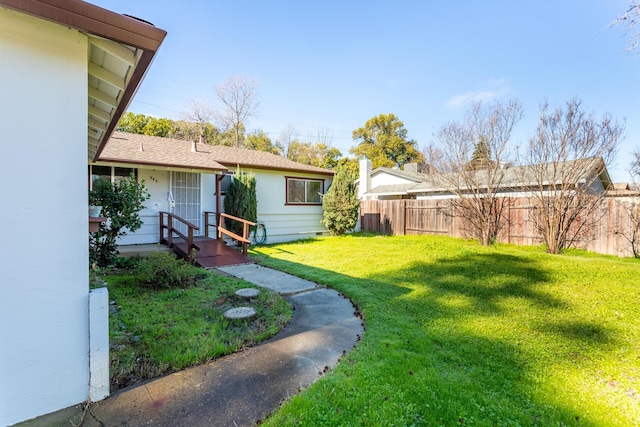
[(243, 388)]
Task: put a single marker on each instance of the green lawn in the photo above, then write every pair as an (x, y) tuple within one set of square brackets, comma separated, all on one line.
[(460, 335), (154, 332)]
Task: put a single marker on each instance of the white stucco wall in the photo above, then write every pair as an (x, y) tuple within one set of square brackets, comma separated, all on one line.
[(44, 335)]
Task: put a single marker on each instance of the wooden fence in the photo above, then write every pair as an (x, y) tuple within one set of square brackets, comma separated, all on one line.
[(401, 217)]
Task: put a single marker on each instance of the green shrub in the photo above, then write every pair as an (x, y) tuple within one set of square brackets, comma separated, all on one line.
[(162, 270), (127, 263), (340, 204), (241, 201), (121, 203)]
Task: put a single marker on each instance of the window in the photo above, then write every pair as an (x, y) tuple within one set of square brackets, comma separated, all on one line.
[(304, 191), (110, 173)]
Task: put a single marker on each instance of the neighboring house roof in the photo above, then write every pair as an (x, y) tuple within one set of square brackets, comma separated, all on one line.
[(622, 189), (416, 177), (121, 49), (513, 177), (125, 147), (620, 186), (390, 190)]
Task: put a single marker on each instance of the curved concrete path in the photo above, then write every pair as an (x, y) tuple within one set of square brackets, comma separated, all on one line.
[(240, 389)]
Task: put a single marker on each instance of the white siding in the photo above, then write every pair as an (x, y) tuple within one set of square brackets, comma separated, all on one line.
[(157, 184), (286, 222), (44, 362), (283, 222), (383, 178)]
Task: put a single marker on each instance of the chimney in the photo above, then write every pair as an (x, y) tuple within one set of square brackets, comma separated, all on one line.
[(141, 148), (365, 178), (194, 147), (411, 167)]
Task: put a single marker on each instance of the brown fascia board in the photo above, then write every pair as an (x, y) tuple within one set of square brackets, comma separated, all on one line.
[(94, 20), (159, 165), (276, 168)]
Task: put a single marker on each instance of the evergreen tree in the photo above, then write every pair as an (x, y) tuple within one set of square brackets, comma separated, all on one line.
[(241, 201), (481, 157), (340, 204)]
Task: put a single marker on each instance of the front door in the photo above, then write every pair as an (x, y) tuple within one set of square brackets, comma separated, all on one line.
[(186, 191)]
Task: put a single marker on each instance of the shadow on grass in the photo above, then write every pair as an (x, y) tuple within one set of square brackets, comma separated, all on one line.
[(453, 340), (483, 279)]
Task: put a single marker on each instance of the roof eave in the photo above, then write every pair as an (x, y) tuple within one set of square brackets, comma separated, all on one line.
[(391, 193), (113, 27), (276, 168), (162, 165)]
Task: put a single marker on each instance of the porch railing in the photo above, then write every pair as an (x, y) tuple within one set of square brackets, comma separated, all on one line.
[(244, 239), (168, 225)]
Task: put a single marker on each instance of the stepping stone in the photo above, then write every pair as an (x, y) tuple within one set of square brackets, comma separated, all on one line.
[(240, 313), (248, 292)]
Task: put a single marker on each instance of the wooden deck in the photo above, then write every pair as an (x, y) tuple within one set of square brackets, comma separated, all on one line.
[(212, 253)]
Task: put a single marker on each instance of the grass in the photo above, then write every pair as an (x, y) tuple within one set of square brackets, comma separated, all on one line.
[(154, 332), (462, 335)]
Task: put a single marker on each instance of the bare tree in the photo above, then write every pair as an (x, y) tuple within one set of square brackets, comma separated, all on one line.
[(286, 137), (562, 171), (432, 155), (630, 19), (635, 167), (198, 114), (323, 136), (239, 98), (470, 165)]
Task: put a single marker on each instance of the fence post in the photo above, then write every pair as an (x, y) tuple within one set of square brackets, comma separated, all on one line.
[(404, 217)]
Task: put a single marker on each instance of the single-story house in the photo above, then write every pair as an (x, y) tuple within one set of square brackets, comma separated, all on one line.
[(69, 70), (181, 178), (414, 181)]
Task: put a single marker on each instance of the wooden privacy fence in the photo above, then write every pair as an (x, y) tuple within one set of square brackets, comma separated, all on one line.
[(411, 216)]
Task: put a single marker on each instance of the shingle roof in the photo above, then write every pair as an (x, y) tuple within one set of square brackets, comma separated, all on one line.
[(150, 150), (125, 148), (512, 177), (390, 190), (417, 177)]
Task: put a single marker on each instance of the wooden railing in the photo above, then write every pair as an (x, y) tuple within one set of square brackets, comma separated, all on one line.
[(208, 223), (171, 230), (244, 239)]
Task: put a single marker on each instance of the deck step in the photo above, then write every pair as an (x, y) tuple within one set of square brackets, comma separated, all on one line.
[(212, 253)]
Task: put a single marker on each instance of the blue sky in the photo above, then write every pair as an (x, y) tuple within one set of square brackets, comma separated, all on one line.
[(333, 65)]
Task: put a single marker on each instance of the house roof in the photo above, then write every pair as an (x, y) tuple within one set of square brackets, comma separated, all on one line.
[(125, 147), (121, 49), (390, 190), (513, 177), (416, 177), (622, 189), (131, 148)]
